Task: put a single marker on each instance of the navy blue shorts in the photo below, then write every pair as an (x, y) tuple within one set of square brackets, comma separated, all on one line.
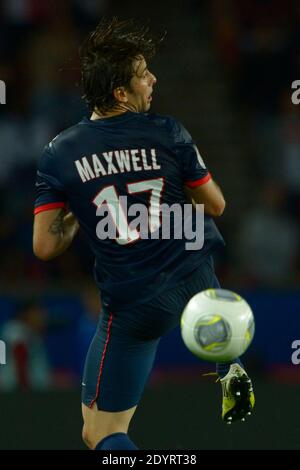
[(122, 352)]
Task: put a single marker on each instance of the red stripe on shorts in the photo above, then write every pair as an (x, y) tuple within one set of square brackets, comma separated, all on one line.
[(102, 359)]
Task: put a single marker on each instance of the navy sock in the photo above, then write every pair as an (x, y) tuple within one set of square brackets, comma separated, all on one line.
[(222, 368), (117, 441)]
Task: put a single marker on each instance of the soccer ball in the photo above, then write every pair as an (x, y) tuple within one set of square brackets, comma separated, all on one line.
[(217, 325)]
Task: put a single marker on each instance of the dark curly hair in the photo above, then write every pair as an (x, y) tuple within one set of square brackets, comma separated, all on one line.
[(107, 57)]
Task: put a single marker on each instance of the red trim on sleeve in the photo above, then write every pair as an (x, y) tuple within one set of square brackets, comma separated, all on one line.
[(48, 207), (194, 184)]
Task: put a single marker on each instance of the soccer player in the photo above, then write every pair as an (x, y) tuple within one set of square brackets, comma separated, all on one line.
[(122, 151)]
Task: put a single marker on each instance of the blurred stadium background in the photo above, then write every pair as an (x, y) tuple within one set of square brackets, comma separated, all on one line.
[(225, 70)]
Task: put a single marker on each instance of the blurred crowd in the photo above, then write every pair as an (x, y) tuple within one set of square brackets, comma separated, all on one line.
[(39, 64), (47, 339), (258, 46)]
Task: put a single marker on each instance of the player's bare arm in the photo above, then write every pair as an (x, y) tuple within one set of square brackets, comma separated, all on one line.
[(210, 195), (53, 233)]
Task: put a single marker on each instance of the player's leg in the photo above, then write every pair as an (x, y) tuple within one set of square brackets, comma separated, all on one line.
[(222, 368), (106, 430), (238, 397), (237, 390), (117, 367)]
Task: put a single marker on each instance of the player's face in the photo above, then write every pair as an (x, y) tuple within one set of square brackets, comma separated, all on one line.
[(142, 83)]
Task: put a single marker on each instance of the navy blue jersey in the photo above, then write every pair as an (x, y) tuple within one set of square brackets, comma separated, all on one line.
[(146, 157)]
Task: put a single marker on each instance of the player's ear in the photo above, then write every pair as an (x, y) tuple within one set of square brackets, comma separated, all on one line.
[(120, 94)]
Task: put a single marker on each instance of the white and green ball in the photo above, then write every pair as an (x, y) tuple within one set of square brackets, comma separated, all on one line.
[(217, 325)]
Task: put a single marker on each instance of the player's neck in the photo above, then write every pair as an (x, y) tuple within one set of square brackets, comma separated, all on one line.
[(96, 116), (117, 112)]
